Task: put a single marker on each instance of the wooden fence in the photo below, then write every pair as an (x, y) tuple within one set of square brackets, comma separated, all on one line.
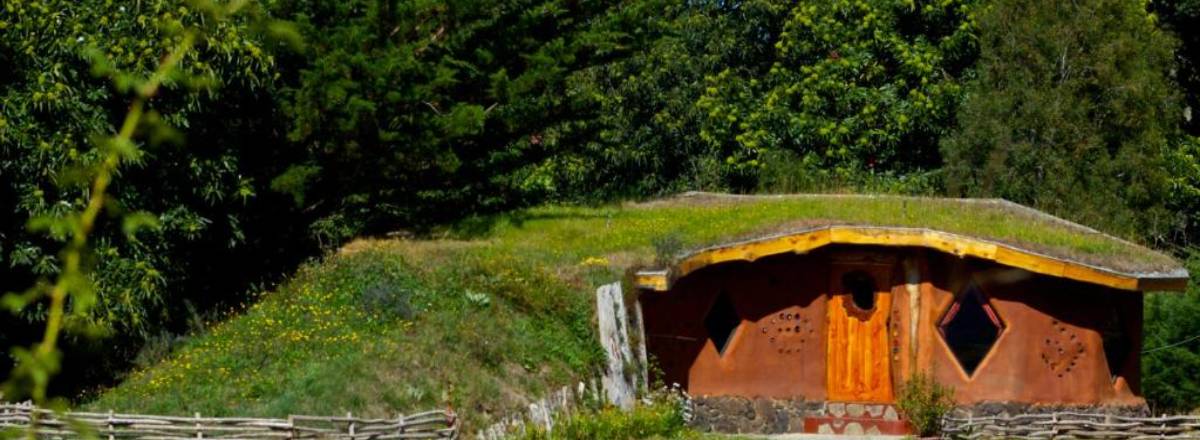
[(1073, 425), (112, 426)]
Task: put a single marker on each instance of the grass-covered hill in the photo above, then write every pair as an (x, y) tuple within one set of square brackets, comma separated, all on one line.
[(496, 311)]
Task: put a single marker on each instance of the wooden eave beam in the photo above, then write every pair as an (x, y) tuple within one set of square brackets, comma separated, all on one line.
[(960, 245)]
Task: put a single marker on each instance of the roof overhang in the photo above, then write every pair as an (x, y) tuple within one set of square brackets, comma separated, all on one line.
[(799, 242)]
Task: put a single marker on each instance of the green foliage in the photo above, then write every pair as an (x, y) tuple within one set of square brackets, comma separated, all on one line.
[(1180, 17), (645, 138), (1071, 112), (411, 114), (424, 112), (923, 402), (667, 247), (661, 420), (856, 86), (69, 67), (1171, 348), (388, 301), (69, 301)]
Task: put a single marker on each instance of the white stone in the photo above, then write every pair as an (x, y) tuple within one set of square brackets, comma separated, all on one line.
[(855, 409), (875, 410), (836, 409), (853, 429)]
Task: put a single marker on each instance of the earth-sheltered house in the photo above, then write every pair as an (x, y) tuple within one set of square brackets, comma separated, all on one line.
[(1007, 305)]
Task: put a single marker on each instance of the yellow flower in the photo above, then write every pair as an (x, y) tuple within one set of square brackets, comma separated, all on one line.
[(594, 261)]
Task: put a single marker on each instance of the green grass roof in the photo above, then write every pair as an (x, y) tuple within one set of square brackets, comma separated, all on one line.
[(995, 220)]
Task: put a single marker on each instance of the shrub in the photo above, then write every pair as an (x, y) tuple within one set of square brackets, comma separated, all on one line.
[(657, 420), (667, 247), (388, 301), (924, 401)]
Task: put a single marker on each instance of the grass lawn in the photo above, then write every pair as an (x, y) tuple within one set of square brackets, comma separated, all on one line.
[(497, 310)]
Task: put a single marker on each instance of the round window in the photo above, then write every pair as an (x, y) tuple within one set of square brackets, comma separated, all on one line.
[(861, 288)]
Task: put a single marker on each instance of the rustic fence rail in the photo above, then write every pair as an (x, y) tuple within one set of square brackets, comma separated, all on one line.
[(1073, 425), (113, 426)]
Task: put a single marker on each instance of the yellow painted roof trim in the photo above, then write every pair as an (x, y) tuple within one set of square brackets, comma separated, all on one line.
[(960, 245)]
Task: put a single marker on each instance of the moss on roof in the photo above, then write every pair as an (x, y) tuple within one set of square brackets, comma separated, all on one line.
[(991, 219), (699, 220)]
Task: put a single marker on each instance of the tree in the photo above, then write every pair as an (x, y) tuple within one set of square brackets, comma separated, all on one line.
[(1172, 347), (415, 113), (646, 136), (1182, 17), (1071, 112), (70, 70), (857, 86)]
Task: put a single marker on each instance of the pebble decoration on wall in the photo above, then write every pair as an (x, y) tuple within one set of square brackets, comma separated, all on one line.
[(894, 328), (1061, 350), (788, 332)]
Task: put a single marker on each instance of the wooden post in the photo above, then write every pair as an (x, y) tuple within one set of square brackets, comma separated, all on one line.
[(110, 425), (350, 418), (199, 432), (291, 426)]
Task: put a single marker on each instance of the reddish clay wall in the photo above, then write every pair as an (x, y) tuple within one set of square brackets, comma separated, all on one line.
[(1050, 351), (779, 349)]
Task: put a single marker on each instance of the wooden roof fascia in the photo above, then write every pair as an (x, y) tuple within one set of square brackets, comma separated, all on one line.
[(803, 241)]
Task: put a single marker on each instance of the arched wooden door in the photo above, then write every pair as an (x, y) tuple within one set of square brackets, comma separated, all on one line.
[(858, 366)]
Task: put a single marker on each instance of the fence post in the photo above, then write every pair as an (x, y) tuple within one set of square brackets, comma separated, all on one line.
[(199, 431), (400, 423), (110, 425), (350, 418), (291, 427)]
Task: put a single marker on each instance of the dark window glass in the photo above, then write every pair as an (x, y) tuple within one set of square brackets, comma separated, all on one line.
[(1116, 344), (721, 321), (970, 328)]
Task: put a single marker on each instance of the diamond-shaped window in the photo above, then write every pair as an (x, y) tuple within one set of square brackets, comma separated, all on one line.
[(721, 322), (970, 328)]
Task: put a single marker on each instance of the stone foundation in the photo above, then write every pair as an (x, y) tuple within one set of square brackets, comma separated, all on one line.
[(731, 414)]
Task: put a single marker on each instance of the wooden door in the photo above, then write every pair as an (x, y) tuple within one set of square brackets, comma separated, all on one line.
[(858, 366)]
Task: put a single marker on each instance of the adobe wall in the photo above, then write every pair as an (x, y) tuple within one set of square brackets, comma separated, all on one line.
[(1049, 353), (779, 353)]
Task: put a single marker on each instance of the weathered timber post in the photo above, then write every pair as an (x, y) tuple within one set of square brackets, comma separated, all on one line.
[(614, 336)]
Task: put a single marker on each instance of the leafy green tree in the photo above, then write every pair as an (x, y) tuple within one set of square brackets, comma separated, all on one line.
[(1171, 348), (646, 135), (857, 86), (1182, 17), (1072, 112), (72, 67), (412, 113)]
